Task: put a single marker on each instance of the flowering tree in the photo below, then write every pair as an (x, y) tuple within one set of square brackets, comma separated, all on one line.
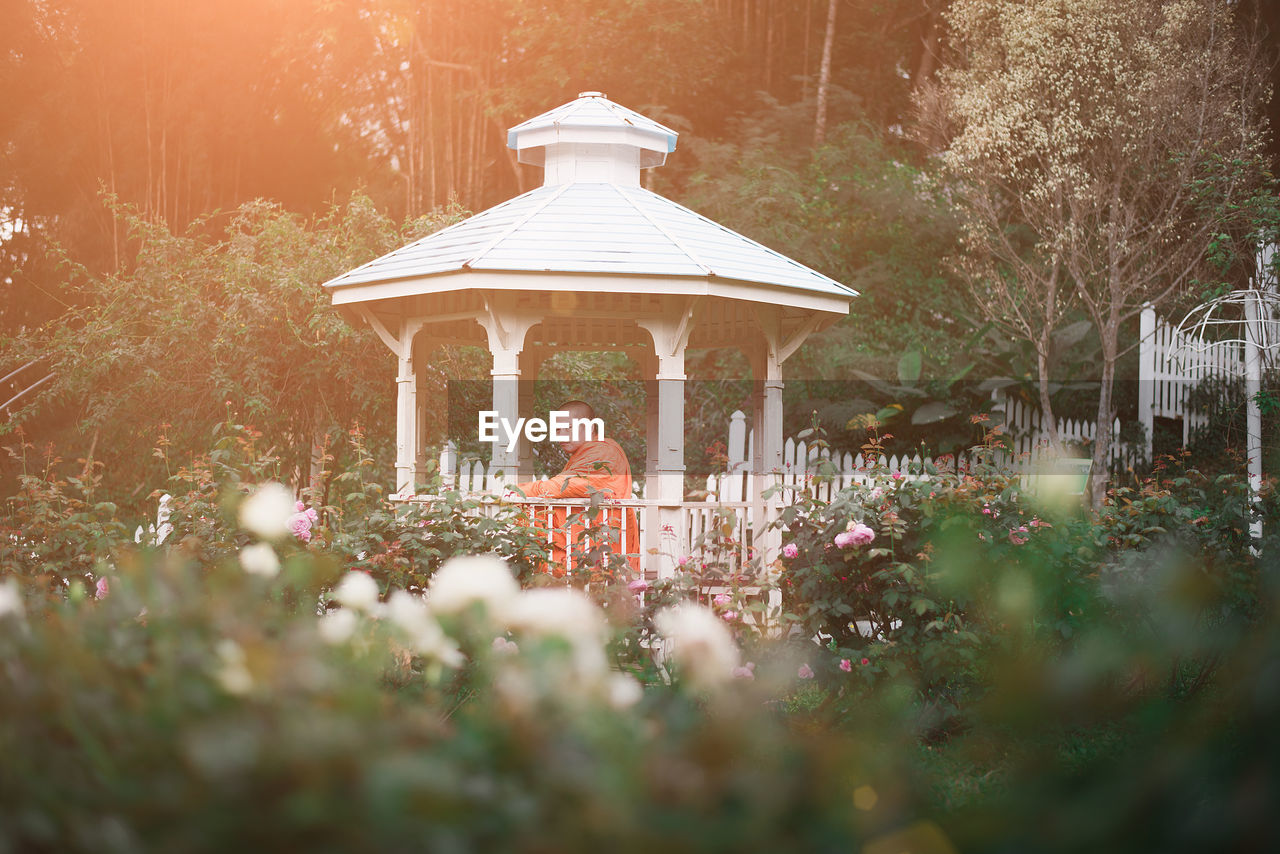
[(1103, 151)]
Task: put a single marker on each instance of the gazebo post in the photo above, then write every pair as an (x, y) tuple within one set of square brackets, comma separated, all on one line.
[(766, 369), (406, 409), (506, 330), (766, 366), (422, 351), (670, 335), (530, 365)]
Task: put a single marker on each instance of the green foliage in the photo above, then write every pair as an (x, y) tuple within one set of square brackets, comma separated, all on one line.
[(1002, 678), (54, 528), (860, 210), (216, 324)]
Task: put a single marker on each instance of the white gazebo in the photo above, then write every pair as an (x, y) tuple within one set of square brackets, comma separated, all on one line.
[(592, 261)]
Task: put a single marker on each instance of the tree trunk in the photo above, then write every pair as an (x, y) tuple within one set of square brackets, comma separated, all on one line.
[(1044, 357), (824, 76), (1047, 417), (1100, 473)]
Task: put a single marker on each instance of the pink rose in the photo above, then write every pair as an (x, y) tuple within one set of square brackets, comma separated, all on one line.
[(638, 586), (746, 671), (729, 616), (846, 665), (865, 662), (897, 475), (722, 599), (682, 561), (843, 539), (861, 535), (102, 588), (790, 550), (805, 672)]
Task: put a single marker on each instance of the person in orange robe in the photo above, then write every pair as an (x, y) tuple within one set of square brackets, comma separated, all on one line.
[(595, 465)]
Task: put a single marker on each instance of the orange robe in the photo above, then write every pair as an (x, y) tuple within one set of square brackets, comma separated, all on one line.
[(597, 466)]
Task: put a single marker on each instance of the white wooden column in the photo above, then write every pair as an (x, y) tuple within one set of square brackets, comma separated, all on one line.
[(401, 344), (1147, 376), (1254, 338), (778, 341), (670, 335), (506, 327), (766, 450), (530, 364), (422, 351)]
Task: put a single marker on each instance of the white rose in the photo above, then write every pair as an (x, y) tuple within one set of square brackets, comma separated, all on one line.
[(357, 590), (464, 581), (624, 691), (700, 643), (260, 559), (337, 626), (266, 512), (11, 599)]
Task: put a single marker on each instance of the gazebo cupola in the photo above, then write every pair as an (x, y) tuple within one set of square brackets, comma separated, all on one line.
[(591, 260), (592, 139)]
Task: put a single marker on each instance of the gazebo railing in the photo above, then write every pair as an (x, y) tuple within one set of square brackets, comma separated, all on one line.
[(716, 536)]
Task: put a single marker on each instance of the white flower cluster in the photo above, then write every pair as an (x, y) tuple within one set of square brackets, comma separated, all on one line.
[(478, 597)]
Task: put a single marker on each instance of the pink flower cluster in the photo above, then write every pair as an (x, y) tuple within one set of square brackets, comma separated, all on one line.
[(858, 535), (790, 550), (300, 522)]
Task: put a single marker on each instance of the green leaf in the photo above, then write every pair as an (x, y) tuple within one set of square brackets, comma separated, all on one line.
[(910, 366), (932, 412)]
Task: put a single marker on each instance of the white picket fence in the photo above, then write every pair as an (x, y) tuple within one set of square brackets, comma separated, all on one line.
[(802, 461), (1171, 365), (1028, 436)]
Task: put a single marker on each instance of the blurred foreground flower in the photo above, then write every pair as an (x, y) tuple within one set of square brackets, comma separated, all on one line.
[(357, 590), (256, 559), (700, 643), (232, 673), (337, 626), (266, 513), (566, 614), (11, 598), (464, 581), (409, 613)]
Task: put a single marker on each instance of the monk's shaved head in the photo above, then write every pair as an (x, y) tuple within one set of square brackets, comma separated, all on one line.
[(578, 409)]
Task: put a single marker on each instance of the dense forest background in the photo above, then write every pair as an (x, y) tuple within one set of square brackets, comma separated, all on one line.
[(140, 136)]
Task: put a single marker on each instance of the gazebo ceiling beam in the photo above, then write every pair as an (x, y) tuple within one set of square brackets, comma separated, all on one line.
[(715, 287)]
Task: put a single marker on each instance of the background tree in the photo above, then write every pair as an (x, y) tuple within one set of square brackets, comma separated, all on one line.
[(222, 326), (1104, 147)]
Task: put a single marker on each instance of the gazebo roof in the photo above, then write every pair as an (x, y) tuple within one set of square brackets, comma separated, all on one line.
[(600, 228)]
